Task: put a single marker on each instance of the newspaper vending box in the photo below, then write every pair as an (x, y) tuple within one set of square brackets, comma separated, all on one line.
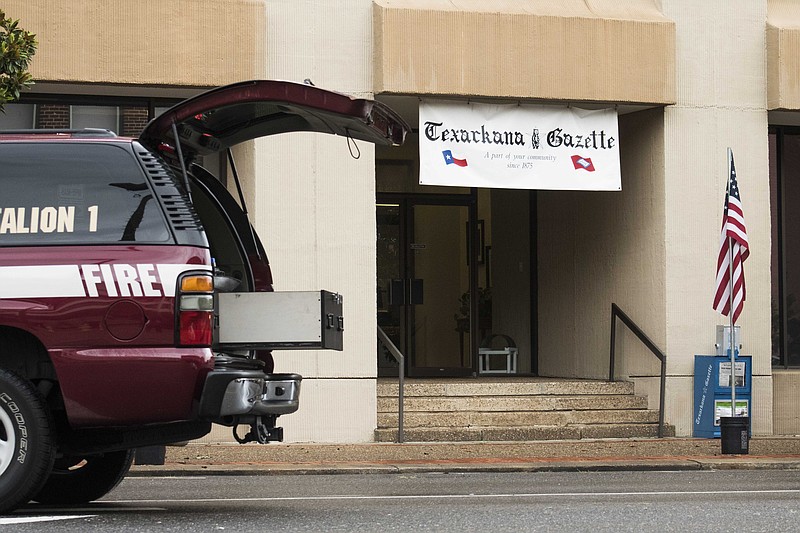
[(712, 391)]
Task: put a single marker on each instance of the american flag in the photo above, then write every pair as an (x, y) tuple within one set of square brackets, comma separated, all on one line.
[(732, 246)]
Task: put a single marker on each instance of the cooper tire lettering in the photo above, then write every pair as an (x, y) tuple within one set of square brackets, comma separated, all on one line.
[(21, 428), (26, 441)]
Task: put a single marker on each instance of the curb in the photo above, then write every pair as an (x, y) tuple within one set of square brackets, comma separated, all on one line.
[(599, 455), (223, 470), (475, 465)]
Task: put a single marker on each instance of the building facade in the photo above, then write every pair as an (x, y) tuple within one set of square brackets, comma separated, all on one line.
[(688, 79)]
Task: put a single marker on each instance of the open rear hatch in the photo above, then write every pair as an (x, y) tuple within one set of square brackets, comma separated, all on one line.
[(221, 118), (229, 115)]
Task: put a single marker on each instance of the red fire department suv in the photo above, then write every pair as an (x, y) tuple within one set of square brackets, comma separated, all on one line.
[(136, 303)]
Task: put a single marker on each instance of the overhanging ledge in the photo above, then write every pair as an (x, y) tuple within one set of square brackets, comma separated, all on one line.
[(525, 49), (146, 43), (783, 55)]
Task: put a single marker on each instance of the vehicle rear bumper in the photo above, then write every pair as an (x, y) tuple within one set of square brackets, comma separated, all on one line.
[(232, 392)]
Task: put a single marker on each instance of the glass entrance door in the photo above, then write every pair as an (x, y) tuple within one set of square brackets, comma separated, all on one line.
[(423, 283)]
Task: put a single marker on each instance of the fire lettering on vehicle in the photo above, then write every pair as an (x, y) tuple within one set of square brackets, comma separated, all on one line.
[(111, 280), (123, 280)]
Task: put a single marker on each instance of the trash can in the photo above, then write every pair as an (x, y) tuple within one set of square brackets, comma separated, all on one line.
[(735, 436)]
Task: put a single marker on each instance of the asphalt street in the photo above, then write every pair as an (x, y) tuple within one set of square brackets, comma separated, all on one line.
[(737, 500)]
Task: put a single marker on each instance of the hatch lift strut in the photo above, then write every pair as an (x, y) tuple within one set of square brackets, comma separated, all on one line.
[(241, 196), (180, 158)]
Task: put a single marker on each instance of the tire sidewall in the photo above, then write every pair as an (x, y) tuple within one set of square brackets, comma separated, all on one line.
[(33, 454)]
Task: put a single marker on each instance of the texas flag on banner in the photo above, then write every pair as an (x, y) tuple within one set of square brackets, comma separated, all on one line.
[(450, 160)]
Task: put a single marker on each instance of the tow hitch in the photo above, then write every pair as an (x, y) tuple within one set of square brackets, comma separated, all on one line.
[(262, 431)]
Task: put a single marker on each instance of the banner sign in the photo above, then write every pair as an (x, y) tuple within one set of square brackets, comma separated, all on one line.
[(518, 146)]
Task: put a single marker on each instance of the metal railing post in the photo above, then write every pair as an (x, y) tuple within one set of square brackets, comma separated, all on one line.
[(662, 400), (613, 343), (400, 358), (400, 395), (616, 312)]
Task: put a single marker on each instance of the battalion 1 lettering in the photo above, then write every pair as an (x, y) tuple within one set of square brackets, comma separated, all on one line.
[(50, 219)]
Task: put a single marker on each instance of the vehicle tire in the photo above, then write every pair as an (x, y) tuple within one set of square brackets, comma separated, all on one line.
[(84, 479), (26, 441)]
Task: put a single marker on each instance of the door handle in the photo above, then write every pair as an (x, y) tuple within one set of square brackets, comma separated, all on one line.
[(406, 292), (416, 292), (397, 292)]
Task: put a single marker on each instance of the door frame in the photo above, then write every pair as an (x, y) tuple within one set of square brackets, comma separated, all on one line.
[(407, 201)]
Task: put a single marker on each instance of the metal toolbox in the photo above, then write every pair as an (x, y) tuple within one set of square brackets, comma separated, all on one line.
[(301, 320)]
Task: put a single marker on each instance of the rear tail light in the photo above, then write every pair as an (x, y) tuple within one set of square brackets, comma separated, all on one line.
[(195, 328), (197, 302), (197, 284), (196, 310)]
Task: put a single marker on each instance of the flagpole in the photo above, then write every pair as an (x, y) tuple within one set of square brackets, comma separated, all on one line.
[(731, 311)]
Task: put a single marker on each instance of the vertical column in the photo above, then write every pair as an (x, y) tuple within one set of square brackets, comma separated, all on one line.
[(721, 102)]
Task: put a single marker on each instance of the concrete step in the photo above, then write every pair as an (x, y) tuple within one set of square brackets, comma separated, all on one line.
[(475, 434), (512, 403), (502, 387), (466, 419), (514, 409)]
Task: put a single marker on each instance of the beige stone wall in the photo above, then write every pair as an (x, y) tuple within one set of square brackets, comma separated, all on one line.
[(721, 88), (596, 248), (650, 248), (786, 393), (568, 50), (315, 210), (196, 43)]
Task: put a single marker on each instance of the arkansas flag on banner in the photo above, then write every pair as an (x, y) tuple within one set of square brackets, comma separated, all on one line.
[(733, 250), (584, 163)]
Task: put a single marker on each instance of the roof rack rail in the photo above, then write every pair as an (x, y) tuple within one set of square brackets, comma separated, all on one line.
[(87, 132)]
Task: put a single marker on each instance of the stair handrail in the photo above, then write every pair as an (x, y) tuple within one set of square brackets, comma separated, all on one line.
[(400, 358), (616, 312)]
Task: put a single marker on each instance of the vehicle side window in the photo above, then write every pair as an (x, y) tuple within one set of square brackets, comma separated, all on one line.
[(224, 242), (54, 193)]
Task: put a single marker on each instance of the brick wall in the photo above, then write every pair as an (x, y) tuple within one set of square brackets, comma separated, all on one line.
[(52, 116), (133, 121)]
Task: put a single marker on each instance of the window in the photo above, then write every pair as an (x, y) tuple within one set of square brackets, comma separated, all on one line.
[(784, 174), (124, 115), (66, 193), (17, 117), (95, 116)]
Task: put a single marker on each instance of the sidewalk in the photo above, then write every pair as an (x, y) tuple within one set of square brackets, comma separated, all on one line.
[(576, 455)]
